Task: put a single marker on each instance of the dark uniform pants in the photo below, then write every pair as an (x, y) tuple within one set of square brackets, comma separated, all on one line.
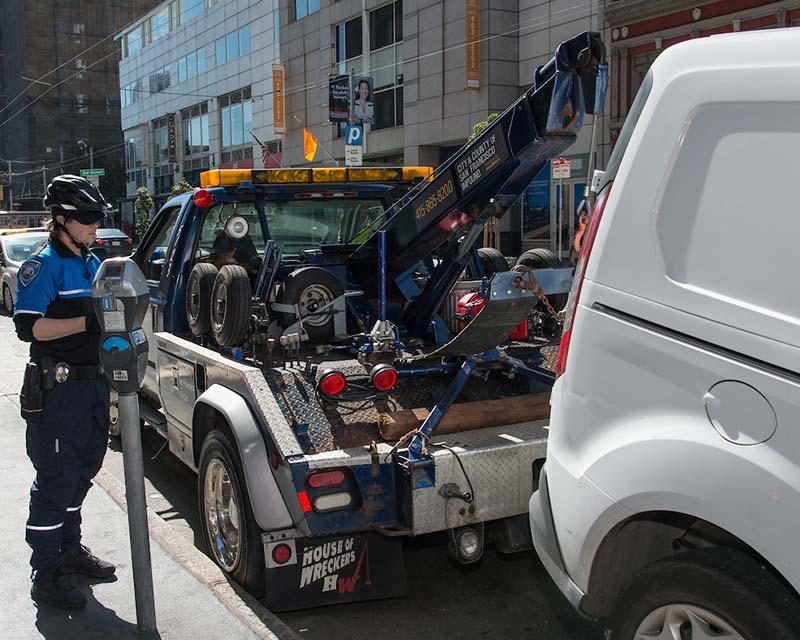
[(67, 444)]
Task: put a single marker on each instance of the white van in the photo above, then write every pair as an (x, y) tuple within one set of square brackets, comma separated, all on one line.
[(669, 504)]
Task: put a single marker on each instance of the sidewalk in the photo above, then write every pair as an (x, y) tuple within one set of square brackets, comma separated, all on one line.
[(192, 596)]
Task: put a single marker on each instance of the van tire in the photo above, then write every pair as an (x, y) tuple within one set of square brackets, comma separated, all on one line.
[(230, 306), (247, 567), (309, 288), (544, 259), (721, 581), (492, 261), (198, 298)]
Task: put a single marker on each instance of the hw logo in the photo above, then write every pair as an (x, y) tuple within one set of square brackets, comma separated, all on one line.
[(354, 135)]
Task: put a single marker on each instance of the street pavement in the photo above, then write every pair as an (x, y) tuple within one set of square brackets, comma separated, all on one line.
[(501, 597), (192, 597)]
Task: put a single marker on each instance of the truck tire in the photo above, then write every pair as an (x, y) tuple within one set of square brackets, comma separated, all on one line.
[(230, 532), (721, 587), (311, 288), (230, 305), (492, 261), (198, 298), (544, 259)]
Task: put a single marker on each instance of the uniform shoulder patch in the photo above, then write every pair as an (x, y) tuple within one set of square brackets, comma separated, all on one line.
[(28, 271)]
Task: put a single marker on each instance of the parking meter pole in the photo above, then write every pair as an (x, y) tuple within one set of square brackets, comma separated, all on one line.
[(120, 296), (130, 429)]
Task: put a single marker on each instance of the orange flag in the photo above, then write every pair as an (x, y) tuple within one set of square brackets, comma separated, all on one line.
[(309, 145)]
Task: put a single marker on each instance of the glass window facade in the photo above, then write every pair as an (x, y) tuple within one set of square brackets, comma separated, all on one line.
[(385, 36), (233, 45), (236, 118), (194, 126), (303, 8)]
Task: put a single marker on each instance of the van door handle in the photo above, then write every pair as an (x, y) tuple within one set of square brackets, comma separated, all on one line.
[(175, 376)]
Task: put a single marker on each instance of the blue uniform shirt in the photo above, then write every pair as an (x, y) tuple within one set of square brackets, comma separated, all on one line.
[(56, 283)]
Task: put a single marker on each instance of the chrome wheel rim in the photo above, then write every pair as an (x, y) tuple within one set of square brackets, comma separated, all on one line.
[(685, 622), (222, 515), (8, 303), (313, 298)]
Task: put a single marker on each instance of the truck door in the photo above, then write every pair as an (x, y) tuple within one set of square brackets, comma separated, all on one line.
[(150, 258)]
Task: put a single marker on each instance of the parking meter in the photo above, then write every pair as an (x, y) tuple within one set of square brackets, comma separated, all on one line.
[(120, 296)]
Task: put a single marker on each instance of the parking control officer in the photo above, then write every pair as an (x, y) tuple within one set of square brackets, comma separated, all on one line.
[(64, 397)]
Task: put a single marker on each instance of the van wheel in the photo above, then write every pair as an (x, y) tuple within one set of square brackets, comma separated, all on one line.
[(230, 305), (544, 259), (703, 594), (230, 532), (198, 298), (311, 288)]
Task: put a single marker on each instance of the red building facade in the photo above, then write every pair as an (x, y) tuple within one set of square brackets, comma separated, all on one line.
[(637, 31)]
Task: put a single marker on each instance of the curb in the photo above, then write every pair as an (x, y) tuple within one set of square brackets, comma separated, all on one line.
[(260, 620)]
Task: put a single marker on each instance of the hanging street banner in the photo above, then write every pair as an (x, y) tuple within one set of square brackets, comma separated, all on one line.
[(338, 98), (278, 104), (473, 48), (171, 138), (363, 107)]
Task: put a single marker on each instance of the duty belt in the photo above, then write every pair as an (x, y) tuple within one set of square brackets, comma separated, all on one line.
[(56, 371)]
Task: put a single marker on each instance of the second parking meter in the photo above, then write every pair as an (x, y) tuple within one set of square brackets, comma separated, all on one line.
[(120, 296)]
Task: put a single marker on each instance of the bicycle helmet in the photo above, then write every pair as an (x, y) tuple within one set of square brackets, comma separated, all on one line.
[(76, 197)]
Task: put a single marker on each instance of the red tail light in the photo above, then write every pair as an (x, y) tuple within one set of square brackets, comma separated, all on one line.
[(130, 242), (325, 479), (331, 382), (282, 553), (100, 241), (203, 199), (383, 377), (577, 279), (305, 503)]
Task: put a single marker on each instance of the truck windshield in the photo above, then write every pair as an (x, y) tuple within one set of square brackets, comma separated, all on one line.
[(306, 224)]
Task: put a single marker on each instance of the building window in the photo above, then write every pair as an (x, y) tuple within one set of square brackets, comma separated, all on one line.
[(193, 168), (194, 123), (640, 65), (233, 45), (133, 41), (160, 80), (129, 94), (303, 8), (191, 9), (82, 103), (134, 160), (160, 140), (276, 25), (236, 120), (349, 46), (385, 36), (160, 23), (192, 65)]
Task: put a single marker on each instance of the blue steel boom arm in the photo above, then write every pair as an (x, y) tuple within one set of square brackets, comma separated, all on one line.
[(484, 177)]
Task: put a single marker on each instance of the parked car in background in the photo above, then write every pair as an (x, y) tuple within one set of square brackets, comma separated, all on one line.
[(111, 243), (15, 248)]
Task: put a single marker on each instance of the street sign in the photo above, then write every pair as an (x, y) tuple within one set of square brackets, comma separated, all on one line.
[(354, 135), (561, 168), (353, 156), (92, 172)]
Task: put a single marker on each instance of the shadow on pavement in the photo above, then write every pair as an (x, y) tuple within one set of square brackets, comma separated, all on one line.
[(96, 621)]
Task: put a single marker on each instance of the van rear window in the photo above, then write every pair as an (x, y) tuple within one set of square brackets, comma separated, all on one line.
[(627, 129)]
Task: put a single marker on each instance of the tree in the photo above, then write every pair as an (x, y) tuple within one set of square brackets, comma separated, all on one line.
[(182, 187), (142, 206), (479, 128)]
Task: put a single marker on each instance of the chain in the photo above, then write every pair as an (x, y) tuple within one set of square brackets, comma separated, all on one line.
[(528, 281)]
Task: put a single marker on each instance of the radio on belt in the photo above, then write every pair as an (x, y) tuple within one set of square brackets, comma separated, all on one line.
[(120, 296)]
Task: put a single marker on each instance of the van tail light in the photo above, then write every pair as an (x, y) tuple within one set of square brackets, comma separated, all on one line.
[(577, 279)]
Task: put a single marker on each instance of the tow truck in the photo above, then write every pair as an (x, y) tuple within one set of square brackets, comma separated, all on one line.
[(343, 368)]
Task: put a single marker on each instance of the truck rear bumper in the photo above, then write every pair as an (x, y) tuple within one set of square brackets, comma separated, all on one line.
[(545, 541)]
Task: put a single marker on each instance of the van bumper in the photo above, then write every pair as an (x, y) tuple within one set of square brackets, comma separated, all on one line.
[(546, 543)]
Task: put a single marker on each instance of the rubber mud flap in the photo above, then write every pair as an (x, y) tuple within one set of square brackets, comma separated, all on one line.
[(322, 571)]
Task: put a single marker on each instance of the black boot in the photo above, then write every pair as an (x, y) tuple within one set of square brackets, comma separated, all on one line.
[(82, 561), (56, 590)]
